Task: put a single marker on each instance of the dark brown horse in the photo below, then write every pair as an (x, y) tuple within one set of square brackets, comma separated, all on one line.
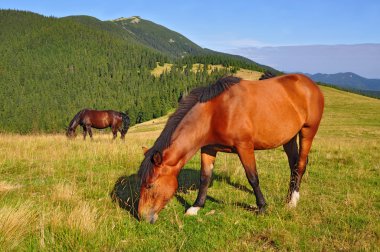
[(237, 116), (99, 119)]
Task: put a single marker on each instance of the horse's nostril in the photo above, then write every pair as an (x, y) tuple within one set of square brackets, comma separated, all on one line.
[(153, 218), (150, 217)]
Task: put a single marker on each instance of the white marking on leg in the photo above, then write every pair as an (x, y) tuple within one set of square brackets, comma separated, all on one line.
[(294, 199), (192, 211), (211, 166)]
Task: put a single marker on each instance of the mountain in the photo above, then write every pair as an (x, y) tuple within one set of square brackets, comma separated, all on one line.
[(158, 37), (348, 81), (362, 59), (97, 24), (177, 46), (51, 68)]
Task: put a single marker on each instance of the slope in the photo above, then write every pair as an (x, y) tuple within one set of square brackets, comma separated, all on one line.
[(55, 193), (158, 37)]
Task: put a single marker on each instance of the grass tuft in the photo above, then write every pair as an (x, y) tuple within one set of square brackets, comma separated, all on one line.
[(83, 217), (6, 186), (16, 223)]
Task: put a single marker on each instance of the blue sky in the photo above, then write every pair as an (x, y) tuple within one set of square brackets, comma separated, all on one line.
[(223, 25)]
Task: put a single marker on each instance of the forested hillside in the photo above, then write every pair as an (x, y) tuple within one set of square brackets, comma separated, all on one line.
[(158, 37), (51, 68)]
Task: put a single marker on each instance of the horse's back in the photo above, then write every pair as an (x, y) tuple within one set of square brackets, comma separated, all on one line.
[(288, 92), (99, 119), (268, 112)]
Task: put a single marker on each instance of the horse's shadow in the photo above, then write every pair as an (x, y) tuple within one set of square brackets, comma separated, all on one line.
[(126, 193), (127, 189)]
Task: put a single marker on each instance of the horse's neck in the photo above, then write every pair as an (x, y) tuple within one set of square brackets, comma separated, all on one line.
[(187, 140), (75, 123)]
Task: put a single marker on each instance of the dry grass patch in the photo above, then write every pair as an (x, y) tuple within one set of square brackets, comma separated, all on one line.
[(83, 218), (64, 192), (245, 74), (248, 74), (200, 67), (161, 69), (6, 186), (15, 224)]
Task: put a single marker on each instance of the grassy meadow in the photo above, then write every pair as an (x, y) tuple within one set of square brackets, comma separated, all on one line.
[(55, 194)]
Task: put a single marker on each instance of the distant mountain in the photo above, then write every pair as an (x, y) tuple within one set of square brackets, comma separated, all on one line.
[(348, 81), (362, 59), (158, 37), (96, 24)]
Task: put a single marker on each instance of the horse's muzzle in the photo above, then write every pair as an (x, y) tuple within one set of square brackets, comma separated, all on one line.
[(149, 216)]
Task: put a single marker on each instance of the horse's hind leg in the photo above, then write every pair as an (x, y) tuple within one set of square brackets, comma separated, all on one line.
[(306, 137), (122, 133), (208, 155), (291, 150), (247, 158)]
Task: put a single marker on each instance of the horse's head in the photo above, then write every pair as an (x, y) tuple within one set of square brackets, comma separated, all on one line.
[(70, 133), (157, 187)]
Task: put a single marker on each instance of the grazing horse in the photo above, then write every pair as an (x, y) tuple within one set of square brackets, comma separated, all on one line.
[(237, 116), (99, 119)]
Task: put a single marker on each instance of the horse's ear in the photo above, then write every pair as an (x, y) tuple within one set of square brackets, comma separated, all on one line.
[(144, 149), (157, 158)]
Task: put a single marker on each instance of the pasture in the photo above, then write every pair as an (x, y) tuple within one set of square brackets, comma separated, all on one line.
[(55, 194)]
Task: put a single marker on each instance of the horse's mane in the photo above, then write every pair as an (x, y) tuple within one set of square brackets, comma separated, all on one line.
[(76, 118), (267, 75), (200, 94), (126, 120)]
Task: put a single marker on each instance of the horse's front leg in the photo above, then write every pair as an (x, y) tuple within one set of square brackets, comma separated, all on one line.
[(208, 155), (114, 133), (89, 131), (84, 132), (247, 158)]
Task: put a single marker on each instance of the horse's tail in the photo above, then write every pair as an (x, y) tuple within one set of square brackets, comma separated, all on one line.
[(126, 122), (267, 75)]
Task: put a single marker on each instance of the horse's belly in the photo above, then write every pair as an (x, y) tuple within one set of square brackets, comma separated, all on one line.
[(275, 135)]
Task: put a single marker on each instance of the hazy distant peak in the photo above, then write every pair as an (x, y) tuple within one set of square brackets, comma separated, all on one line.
[(362, 59), (347, 80)]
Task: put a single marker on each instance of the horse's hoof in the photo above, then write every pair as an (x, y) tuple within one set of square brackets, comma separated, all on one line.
[(192, 211), (262, 209)]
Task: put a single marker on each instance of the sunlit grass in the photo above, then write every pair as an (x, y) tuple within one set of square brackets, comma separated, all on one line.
[(55, 193)]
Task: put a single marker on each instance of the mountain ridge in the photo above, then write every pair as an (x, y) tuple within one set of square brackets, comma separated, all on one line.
[(348, 80), (361, 59)]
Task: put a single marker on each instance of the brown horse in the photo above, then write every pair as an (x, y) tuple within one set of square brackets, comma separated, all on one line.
[(99, 119), (237, 116)]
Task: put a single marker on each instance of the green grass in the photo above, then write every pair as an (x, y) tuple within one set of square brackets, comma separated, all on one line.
[(55, 193)]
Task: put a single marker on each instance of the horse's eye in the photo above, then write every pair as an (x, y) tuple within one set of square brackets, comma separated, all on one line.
[(149, 186)]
